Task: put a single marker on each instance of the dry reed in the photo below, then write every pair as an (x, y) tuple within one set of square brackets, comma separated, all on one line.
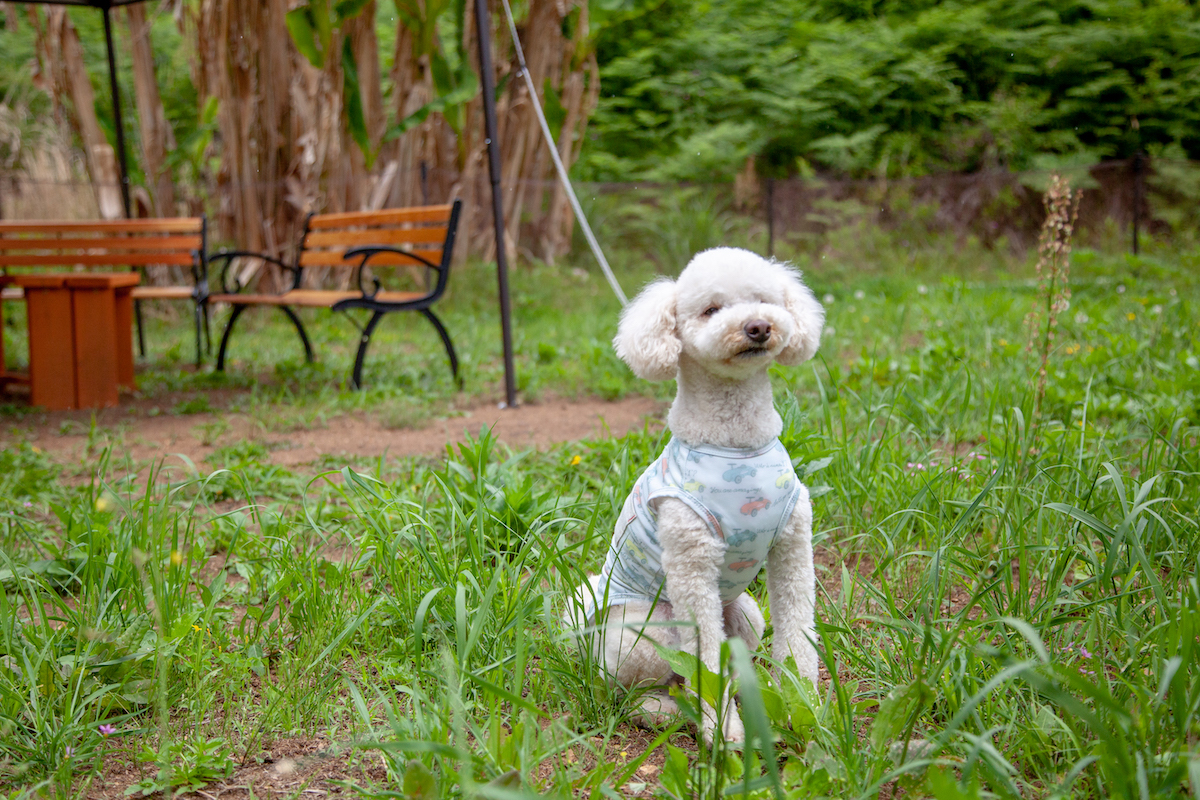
[(1053, 272)]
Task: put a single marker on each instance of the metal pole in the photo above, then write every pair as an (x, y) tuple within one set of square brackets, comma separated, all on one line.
[(483, 32), (116, 101)]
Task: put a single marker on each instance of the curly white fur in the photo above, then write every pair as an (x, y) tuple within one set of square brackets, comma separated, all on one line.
[(715, 330)]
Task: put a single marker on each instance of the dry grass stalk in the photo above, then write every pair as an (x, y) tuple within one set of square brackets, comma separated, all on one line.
[(61, 69), (1053, 271), (156, 134)]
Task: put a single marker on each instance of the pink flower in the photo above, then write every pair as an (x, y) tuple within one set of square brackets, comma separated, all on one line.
[(107, 730), (1083, 651)]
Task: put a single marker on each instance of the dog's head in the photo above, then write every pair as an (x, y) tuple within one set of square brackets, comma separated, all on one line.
[(731, 311)]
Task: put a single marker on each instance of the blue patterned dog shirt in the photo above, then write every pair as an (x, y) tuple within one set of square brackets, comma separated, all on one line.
[(745, 497)]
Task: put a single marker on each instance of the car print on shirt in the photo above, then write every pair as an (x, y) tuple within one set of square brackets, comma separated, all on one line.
[(754, 506), (637, 552), (784, 480), (738, 566), (738, 536), (736, 472), (693, 486)]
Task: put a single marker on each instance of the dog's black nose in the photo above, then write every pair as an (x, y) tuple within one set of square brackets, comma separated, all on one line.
[(757, 330)]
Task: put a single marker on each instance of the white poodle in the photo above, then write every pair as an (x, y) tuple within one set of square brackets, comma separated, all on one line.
[(723, 497)]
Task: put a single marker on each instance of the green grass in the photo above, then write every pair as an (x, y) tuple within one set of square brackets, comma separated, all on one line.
[(557, 350), (1014, 598)]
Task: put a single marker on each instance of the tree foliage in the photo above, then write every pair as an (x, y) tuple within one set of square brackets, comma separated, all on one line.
[(892, 87)]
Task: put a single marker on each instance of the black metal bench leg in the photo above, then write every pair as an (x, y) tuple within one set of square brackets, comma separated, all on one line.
[(234, 313), (137, 312), (199, 339), (363, 343), (441, 329), (308, 353), (208, 327)]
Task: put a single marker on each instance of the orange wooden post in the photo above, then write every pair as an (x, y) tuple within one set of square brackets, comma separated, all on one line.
[(94, 312), (99, 341), (51, 340)]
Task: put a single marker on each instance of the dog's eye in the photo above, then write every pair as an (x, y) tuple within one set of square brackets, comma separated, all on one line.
[(708, 312)]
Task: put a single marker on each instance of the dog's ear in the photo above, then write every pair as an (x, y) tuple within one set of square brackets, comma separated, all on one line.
[(646, 339), (808, 316)]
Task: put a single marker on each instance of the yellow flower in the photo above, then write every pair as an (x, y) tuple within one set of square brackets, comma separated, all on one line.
[(1002, 342), (575, 460), (176, 557), (36, 449), (195, 628), (103, 503), (1131, 316)]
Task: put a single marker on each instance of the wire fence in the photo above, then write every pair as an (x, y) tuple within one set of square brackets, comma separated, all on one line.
[(1138, 197)]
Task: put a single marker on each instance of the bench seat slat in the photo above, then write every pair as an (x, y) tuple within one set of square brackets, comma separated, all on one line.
[(310, 298), (163, 292), (159, 225), (184, 243), (95, 259), (369, 236), (387, 216)]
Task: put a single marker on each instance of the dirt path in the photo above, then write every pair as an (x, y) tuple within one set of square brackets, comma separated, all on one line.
[(197, 436)]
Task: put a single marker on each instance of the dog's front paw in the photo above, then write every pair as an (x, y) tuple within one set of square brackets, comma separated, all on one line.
[(732, 730), (658, 710)]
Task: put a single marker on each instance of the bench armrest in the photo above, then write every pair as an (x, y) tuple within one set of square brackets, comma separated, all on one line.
[(232, 284), (373, 250)]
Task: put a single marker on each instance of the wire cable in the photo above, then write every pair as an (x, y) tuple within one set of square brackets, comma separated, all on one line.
[(558, 165)]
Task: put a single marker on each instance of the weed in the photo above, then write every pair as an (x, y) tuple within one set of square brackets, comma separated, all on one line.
[(184, 767)]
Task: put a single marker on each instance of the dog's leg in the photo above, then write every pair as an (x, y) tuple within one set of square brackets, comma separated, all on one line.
[(691, 559), (625, 647), (791, 584), (744, 620), (625, 644)]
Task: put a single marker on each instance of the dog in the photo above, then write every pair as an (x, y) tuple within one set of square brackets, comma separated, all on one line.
[(722, 498)]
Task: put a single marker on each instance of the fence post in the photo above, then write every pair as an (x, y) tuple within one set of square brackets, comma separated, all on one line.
[(1139, 181)]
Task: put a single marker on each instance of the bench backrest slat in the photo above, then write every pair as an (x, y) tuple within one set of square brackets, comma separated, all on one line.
[(43, 243), (387, 216), (96, 259), (332, 258), (420, 230), (368, 236), (155, 225), (132, 243)]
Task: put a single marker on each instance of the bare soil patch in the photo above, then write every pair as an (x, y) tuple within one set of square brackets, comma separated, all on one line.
[(68, 435)]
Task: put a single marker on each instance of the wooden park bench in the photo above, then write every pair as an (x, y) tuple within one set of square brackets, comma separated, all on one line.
[(364, 244), (30, 247)]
